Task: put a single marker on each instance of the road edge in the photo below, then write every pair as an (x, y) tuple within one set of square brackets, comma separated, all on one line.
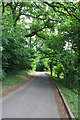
[(65, 103), (71, 116), (15, 87)]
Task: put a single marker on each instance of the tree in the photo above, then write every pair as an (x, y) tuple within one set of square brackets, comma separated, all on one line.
[(51, 26)]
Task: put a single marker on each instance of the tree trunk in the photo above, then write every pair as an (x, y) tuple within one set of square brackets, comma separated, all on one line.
[(30, 42), (51, 68), (58, 75), (3, 9), (51, 72)]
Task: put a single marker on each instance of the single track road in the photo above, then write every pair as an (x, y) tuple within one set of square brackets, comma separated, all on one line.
[(33, 100)]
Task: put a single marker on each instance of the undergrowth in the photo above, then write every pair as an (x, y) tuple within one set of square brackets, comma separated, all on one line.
[(71, 95)]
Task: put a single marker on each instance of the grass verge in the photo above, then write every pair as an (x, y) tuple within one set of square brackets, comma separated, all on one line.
[(71, 96), (13, 79)]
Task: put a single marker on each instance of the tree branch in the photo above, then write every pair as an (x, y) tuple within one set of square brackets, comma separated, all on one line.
[(35, 32), (62, 6), (21, 5), (3, 9), (32, 16), (40, 36)]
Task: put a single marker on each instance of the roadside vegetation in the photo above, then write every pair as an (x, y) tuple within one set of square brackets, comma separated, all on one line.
[(70, 94), (13, 79), (42, 36)]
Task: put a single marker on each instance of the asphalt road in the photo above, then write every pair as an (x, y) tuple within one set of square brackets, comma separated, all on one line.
[(33, 100)]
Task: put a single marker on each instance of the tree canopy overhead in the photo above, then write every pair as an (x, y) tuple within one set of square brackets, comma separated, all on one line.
[(43, 31)]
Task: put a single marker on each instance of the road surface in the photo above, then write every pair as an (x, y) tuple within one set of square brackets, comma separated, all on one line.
[(33, 100)]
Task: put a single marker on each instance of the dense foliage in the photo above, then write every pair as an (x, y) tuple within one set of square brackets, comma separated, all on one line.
[(48, 31), (16, 52)]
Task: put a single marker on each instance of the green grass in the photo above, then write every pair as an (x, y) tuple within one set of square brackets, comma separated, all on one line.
[(13, 79), (24, 73), (71, 95), (71, 98)]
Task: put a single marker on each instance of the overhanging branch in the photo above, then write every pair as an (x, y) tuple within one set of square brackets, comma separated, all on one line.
[(62, 6)]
